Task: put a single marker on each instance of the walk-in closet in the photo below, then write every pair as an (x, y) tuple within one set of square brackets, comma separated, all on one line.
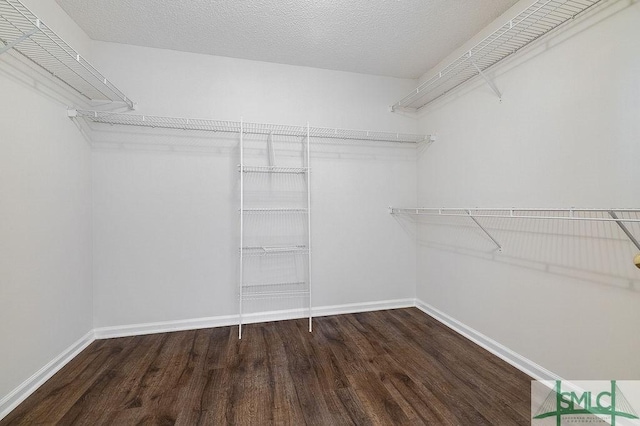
[(319, 212)]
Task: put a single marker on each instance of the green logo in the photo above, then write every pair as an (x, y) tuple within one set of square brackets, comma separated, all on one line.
[(610, 402)]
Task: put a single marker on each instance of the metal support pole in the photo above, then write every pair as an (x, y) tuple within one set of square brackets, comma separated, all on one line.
[(241, 227), (309, 221), (488, 80), (270, 149), (20, 39), (624, 229), (485, 231)]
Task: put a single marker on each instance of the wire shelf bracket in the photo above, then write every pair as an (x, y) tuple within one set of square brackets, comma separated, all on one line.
[(490, 82), (485, 231), (22, 31), (537, 20), (22, 38), (624, 228)]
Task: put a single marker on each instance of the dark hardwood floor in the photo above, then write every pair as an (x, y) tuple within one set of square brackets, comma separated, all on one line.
[(386, 367)]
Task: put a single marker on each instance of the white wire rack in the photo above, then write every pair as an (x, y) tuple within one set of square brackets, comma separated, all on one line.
[(276, 290), (280, 290), (275, 250), (274, 169), (279, 286), (25, 33), (522, 213), (276, 294), (615, 215), (248, 128), (541, 17), (275, 210)]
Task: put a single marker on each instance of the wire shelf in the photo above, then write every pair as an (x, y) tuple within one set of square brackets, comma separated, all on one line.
[(525, 213), (365, 135), (247, 128), (621, 217), (275, 210), (159, 122), (275, 250), (538, 19), (276, 294), (274, 169), (284, 286), (23, 32)]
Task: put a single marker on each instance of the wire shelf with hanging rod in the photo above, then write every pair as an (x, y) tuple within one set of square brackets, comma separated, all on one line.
[(275, 250), (537, 20), (221, 126), (275, 169), (624, 218), (267, 210), (23, 32)]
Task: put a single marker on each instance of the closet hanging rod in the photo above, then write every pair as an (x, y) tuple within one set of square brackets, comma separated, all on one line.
[(21, 30), (221, 126), (537, 20)]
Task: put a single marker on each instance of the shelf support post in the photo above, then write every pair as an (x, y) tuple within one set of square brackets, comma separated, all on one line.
[(20, 39), (241, 279), (485, 231), (308, 176), (487, 79), (624, 228), (270, 149)]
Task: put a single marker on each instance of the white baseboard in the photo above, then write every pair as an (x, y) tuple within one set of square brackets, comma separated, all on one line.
[(227, 320), (518, 361), (354, 308), (19, 394), (164, 326)]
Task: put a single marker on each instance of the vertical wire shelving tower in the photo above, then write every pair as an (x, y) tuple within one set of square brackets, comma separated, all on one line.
[(247, 291)]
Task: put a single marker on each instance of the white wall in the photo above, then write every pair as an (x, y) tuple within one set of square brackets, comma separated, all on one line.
[(167, 82), (45, 219), (165, 219), (566, 134)]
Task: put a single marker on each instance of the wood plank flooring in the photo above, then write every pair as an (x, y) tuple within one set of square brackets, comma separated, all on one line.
[(387, 367)]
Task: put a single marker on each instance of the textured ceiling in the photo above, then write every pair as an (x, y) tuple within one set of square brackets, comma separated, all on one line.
[(400, 38)]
